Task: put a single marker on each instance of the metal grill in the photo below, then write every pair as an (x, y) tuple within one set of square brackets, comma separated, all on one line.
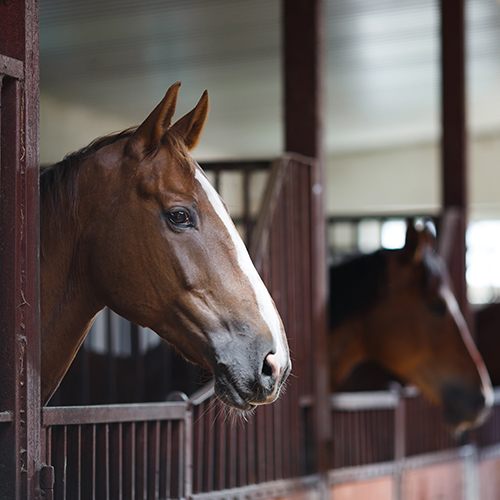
[(119, 451), (384, 426)]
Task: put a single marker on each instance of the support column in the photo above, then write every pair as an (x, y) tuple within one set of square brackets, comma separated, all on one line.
[(302, 56), (20, 447), (454, 138)]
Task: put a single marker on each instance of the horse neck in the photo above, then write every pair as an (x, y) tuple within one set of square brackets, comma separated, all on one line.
[(346, 350), (68, 305)]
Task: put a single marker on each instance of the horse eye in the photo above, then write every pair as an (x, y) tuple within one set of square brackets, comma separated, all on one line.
[(438, 308), (179, 217)]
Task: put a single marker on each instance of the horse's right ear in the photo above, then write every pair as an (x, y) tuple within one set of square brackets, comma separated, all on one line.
[(189, 127), (418, 241), (148, 135)]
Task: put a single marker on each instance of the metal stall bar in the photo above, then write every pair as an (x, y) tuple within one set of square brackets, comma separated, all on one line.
[(302, 69), (19, 236)]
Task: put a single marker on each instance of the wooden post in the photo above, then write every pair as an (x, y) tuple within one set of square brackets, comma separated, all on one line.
[(302, 53), (20, 447), (454, 137)]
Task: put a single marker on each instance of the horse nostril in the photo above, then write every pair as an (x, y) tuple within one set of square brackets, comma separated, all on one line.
[(271, 366), (267, 369)]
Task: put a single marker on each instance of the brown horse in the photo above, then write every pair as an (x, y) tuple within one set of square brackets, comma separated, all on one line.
[(131, 222), (396, 308)]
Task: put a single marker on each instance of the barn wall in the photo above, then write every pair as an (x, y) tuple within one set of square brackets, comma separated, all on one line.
[(407, 178), (369, 181)]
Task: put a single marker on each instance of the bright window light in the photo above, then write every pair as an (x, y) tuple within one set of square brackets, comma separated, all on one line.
[(393, 234), (483, 261)]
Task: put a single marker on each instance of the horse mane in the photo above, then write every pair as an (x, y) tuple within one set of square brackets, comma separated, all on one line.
[(62, 176), (354, 285), (356, 282)]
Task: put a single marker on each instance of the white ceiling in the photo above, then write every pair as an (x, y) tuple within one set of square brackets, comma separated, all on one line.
[(381, 67)]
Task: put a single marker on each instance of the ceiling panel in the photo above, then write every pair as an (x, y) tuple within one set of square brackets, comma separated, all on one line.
[(381, 63)]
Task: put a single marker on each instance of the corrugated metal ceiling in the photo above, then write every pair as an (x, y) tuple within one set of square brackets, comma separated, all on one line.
[(381, 66)]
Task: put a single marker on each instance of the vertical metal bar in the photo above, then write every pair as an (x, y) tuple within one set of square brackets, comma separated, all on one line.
[(94, 460), (138, 366), (242, 456), (209, 429), (155, 469), (11, 378), (399, 446), (247, 218), (107, 459), (220, 462), (169, 465), (79, 463), (187, 470), (200, 438), (111, 379), (251, 455), (141, 460), (233, 461)]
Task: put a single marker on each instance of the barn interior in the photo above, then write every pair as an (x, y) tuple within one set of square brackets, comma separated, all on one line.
[(104, 65)]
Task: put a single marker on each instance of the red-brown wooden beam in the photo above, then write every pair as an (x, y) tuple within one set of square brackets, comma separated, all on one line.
[(302, 70), (20, 446), (454, 136)]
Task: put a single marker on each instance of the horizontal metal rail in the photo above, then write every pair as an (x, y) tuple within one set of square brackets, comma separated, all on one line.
[(101, 414), (273, 489), (374, 400), (372, 471), (381, 400)]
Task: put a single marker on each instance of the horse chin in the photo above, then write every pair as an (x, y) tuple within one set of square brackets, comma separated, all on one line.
[(229, 395)]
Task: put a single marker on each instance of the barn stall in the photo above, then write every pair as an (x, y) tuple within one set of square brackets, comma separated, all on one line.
[(308, 443)]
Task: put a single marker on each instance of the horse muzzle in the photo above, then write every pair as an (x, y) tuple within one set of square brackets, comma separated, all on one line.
[(465, 407), (244, 384)]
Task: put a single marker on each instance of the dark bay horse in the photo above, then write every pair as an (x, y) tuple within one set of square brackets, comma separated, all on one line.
[(396, 308), (131, 222)]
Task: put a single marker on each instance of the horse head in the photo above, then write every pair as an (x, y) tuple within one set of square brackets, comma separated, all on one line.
[(160, 249), (420, 334), (396, 308)]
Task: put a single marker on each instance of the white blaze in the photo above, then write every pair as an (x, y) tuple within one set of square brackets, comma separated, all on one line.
[(266, 306)]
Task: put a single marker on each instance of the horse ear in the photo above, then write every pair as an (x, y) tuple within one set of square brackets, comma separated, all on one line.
[(418, 241), (148, 135), (411, 241), (190, 126)]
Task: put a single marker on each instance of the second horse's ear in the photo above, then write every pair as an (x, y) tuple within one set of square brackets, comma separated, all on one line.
[(149, 134), (418, 241), (190, 126)]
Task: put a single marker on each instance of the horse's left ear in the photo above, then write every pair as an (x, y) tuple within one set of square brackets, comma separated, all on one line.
[(190, 126)]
